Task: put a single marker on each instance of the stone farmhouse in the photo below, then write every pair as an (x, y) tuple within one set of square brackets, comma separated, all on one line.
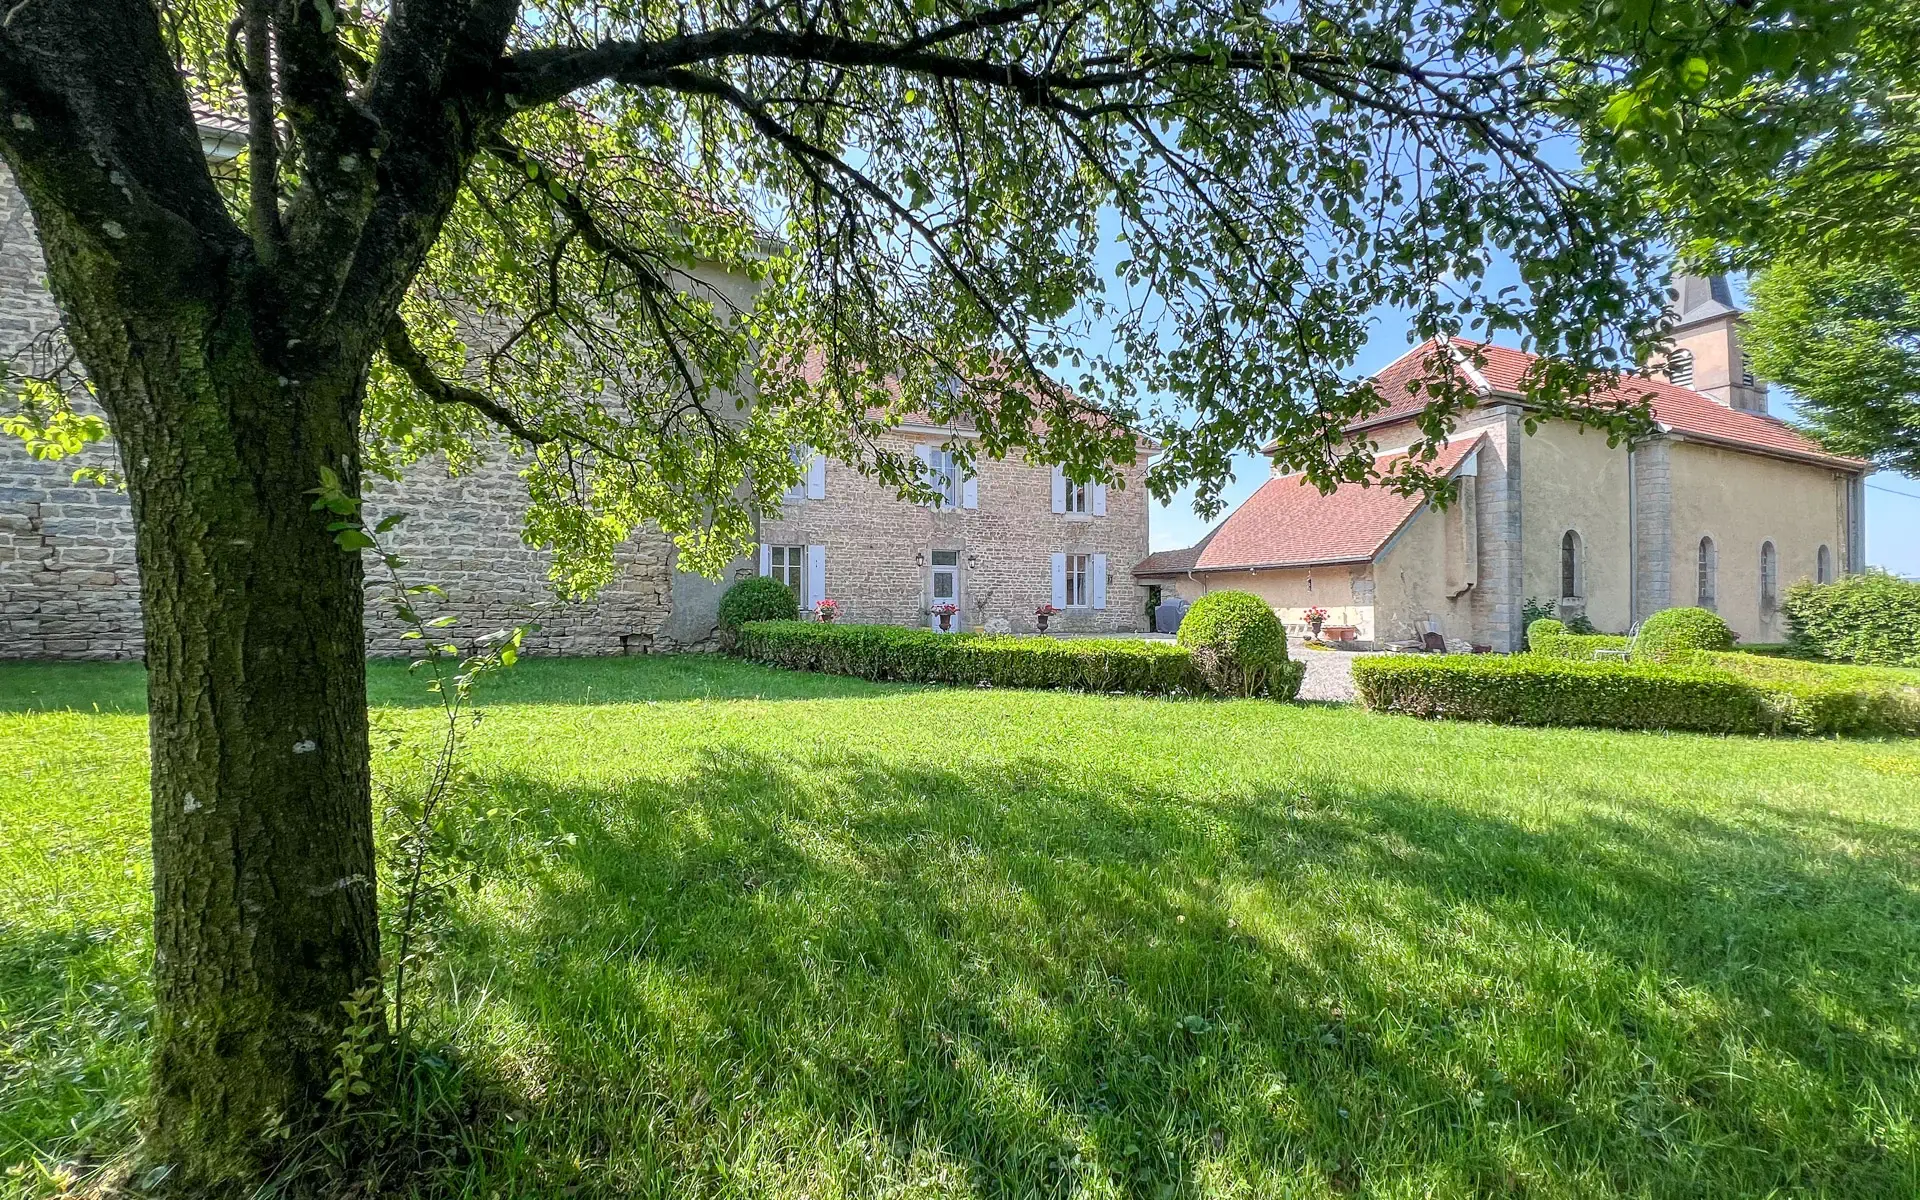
[(1003, 541), (1721, 508)]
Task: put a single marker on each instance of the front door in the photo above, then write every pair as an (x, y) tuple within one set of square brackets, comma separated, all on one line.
[(945, 588)]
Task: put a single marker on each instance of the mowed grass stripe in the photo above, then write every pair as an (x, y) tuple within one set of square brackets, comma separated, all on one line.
[(744, 933)]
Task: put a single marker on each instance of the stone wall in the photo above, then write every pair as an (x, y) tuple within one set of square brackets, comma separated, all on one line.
[(870, 539), (462, 534), (69, 587)]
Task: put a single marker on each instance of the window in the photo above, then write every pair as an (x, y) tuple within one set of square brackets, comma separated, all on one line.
[(1078, 566), (1769, 579), (945, 477), (788, 564), (1078, 499), (1572, 575), (953, 483), (1823, 566), (1704, 592), (1680, 368)]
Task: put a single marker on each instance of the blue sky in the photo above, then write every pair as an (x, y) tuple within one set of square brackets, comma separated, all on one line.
[(1893, 501)]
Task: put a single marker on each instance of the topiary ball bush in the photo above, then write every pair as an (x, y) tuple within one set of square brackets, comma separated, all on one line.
[(1239, 644), (761, 598), (1674, 631)]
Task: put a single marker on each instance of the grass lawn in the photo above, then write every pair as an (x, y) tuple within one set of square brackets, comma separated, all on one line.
[(754, 934)]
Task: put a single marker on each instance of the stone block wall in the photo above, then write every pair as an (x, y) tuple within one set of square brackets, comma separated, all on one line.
[(70, 586), (1005, 546), (462, 534)]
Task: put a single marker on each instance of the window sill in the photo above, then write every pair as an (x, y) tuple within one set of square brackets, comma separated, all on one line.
[(1077, 516)]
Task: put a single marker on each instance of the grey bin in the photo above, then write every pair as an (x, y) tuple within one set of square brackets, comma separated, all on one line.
[(1167, 617)]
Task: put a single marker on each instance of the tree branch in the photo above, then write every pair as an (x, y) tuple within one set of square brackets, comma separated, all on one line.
[(402, 353)]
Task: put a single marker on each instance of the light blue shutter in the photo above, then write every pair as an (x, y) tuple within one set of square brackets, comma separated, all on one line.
[(816, 575), (817, 477), (1059, 581), (970, 492), (766, 559), (1097, 492), (1098, 584), (1059, 490)]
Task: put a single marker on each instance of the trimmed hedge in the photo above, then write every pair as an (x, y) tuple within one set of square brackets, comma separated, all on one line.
[(1872, 618), (891, 652), (1549, 639), (1814, 697), (1528, 689), (1240, 646), (757, 598), (1677, 630), (1698, 695)]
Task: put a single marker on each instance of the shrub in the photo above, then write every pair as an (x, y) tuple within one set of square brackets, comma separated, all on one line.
[(1675, 630), (1579, 647), (760, 598), (1701, 691), (1002, 660), (1872, 618), (1543, 627), (890, 652), (1827, 698), (1240, 645), (1535, 690)]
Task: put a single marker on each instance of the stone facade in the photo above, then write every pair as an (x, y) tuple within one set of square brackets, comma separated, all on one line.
[(69, 583), (877, 553)]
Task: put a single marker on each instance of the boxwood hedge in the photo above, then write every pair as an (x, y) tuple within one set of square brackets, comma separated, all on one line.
[(890, 652), (1697, 694), (1577, 646)]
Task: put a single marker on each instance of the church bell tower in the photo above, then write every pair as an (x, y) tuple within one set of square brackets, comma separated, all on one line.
[(1704, 351)]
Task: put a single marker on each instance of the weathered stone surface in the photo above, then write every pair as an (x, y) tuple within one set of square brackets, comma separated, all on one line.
[(69, 586)]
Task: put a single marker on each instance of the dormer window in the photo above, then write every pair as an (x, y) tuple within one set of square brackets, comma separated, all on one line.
[(1680, 368)]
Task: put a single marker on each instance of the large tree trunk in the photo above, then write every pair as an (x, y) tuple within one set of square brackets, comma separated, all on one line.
[(263, 863)]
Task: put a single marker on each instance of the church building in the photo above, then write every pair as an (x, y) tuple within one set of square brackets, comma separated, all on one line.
[(1723, 507)]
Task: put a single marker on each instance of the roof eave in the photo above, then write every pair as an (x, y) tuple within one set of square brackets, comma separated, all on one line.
[(1853, 466)]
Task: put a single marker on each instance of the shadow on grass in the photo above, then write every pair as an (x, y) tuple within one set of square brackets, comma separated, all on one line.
[(665, 678), (1023, 980)]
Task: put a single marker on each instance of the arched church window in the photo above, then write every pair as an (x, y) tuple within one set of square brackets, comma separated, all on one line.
[(1769, 579), (1680, 368), (1823, 566), (1706, 589), (1572, 571)]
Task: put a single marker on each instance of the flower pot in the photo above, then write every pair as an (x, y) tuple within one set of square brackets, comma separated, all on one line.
[(1041, 621), (946, 621)]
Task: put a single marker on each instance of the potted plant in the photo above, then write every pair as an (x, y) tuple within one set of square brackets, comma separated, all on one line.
[(1315, 618), (944, 614), (826, 611), (1042, 614)]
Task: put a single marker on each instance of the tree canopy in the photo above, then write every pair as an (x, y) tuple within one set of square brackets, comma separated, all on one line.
[(921, 193), (1845, 336)]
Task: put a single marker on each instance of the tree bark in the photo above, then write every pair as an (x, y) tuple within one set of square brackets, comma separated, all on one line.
[(263, 859)]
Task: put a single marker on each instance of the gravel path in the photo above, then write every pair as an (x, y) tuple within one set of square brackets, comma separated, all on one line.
[(1329, 673)]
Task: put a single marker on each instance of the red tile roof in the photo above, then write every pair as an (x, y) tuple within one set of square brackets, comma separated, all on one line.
[(1680, 411), (1290, 523)]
